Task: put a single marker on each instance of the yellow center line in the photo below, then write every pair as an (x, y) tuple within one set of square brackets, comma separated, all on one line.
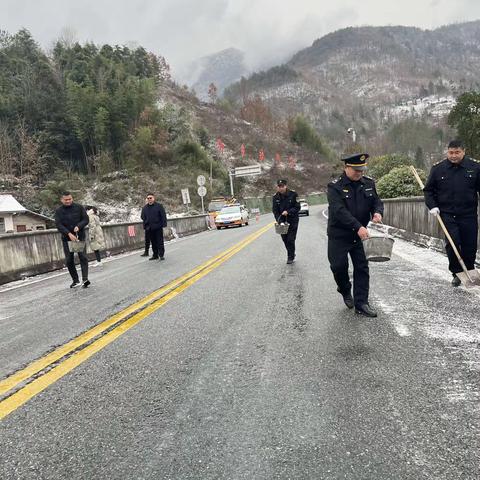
[(147, 306)]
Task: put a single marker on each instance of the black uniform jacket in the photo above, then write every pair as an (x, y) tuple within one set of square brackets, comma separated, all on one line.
[(67, 218), (287, 202), (350, 208), (154, 216), (454, 188)]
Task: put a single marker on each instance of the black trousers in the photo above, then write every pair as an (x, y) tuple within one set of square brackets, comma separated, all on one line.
[(70, 261), (158, 247), (464, 232), (338, 251), (147, 241), (289, 240)]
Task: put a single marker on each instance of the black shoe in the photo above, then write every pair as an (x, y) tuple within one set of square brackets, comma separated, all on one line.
[(144, 254), (75, 284), (153, 258), (162, 258), (366, 310), (290, 261), (348, 300), (85, 283), (456, 282)]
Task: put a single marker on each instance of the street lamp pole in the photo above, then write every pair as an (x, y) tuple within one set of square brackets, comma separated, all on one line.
[(231, 174)]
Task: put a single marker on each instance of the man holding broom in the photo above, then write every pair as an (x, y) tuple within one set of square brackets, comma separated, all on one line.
[(452, 192)]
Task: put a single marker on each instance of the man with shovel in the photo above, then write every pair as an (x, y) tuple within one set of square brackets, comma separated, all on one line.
[(352, 202), (452, 192)]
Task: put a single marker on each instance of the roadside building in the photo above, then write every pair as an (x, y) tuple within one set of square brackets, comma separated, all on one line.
[(14, 217)]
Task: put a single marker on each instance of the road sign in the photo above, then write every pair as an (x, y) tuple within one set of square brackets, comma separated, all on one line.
[(186, 196), (202, 191), (248, 170), (201, 180)]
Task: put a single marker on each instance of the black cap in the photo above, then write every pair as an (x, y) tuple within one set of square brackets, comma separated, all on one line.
[(357, 162), (281, 182)]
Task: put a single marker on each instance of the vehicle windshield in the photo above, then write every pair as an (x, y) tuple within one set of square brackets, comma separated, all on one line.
[(215, 206), (230, 210)]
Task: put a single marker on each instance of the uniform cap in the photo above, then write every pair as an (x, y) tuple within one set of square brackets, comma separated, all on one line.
[(281, 182), (357, 162)]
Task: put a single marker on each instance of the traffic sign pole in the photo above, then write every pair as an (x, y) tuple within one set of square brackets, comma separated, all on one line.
[(202, 191)]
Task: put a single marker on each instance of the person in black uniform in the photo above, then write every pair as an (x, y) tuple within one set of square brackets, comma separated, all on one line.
[(71, 220), (285, 208), (352, 202), (452, 192), (147, 238), (154, 221)]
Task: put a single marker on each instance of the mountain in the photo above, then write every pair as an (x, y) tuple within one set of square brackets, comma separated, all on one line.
[(221, 68), (370, 77)]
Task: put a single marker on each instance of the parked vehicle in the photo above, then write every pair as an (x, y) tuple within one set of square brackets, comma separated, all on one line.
[(231, 216), (216, 204), (304, 208)]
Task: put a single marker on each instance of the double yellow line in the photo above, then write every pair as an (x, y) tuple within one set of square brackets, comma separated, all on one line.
[(36, 377)]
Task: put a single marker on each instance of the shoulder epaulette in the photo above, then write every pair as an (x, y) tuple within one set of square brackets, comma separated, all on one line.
[(475, 160), (367, 177), (437, 163)]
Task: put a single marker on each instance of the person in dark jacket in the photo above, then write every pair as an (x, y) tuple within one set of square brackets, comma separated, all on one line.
[(71, 220), (147, 238), (285, 208), (452, 192), (154, 221), (352, 202)]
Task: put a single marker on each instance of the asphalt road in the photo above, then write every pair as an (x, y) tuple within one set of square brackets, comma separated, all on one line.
[(254, 371)]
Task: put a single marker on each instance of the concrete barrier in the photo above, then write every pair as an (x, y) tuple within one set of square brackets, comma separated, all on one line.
[(264, 204), (30, 253), (410, 219)]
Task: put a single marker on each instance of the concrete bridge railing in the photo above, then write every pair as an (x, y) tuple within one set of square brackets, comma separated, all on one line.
[(411, 220), (31, 253)]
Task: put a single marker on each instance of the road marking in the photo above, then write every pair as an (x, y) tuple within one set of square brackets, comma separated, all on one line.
[(325, 214), (120, 323)]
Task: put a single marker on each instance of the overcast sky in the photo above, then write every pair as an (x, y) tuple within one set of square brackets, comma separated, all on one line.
[(183, 30)]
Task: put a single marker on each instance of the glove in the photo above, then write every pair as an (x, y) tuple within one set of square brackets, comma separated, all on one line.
[(435, 211)]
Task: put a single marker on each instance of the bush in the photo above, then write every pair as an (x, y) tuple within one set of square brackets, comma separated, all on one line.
[(191, 156), (400, 182), (380, 166), (303, 134), (50, 194)]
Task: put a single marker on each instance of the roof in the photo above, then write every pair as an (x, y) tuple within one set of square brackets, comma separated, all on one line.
[(8, 204)]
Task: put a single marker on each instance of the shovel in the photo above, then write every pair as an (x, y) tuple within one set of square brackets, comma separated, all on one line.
[(469, 278)]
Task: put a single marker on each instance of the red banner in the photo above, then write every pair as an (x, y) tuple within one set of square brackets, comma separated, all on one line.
[(242, 150), (261, 155), (220, 145)]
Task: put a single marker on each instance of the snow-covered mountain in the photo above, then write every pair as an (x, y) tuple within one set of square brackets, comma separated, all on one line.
[(371, 76)]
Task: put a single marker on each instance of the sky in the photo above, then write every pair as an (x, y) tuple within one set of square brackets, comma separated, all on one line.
[(268, 31)]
